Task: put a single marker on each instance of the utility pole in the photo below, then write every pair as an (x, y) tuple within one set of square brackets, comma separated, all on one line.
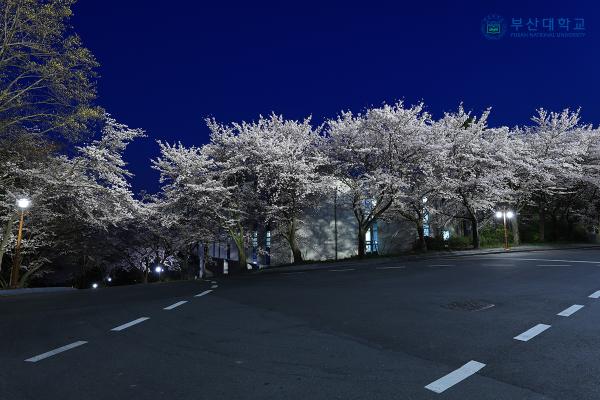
[(335, 234)]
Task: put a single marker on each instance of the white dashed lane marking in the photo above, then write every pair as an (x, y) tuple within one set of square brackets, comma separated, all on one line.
[(129, 324), (570, 311), (55, 351), (455, 377), (214, 286), (341, 270), (203, 293), (531, 333), (398, 267), (442, 265), (595, 295), (172, 306)]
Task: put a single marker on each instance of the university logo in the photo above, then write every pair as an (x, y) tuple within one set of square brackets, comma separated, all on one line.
[(493, 27)]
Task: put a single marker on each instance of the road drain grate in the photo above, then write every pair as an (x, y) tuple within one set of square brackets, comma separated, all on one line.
[(469, 305)]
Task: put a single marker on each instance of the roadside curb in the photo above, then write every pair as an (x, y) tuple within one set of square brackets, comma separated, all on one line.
[(408, 257)]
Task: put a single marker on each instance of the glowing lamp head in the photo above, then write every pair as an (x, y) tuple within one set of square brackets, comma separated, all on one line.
[(109, 279), (510, 214), (498, 214), (23, 203), (94, 286), (158, 269)]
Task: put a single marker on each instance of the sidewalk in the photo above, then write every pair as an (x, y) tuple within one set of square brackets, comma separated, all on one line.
[(15, 292), (347, 263)]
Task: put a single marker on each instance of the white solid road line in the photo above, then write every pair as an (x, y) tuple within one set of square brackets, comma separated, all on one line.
[(595, 295), (127, 325), (172, 306), (553, 265), (570, 311), (455, 377), (531, 333), (540, 259), (203, 293), (56, 351), (341, 270), (497, 265), (399, 267)]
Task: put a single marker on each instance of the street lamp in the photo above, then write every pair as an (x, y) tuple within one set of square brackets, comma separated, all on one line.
[(505, 215), (158, 270), (22, 203)]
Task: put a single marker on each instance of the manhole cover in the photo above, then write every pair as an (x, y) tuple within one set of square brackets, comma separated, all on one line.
[(469, 305)]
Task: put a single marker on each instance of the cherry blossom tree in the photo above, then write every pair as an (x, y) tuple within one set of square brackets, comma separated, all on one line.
[(477, 167), (374, 155), (288, 167)]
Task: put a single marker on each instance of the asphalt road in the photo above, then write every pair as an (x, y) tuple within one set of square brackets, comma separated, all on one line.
[(477, 327)]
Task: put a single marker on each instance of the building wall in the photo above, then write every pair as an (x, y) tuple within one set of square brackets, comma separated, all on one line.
[(317, 238)]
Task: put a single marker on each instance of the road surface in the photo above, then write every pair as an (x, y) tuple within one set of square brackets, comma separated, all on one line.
[(504, 326)]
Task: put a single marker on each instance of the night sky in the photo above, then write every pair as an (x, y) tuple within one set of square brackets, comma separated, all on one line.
[(165, 66)]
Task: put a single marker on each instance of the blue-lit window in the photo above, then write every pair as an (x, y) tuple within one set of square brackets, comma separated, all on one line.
[(426, 226), (371, 239), (254, 246), (268, 247)]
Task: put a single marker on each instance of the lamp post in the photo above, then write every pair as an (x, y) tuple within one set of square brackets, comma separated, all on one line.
[(22, 204), (505, 215)]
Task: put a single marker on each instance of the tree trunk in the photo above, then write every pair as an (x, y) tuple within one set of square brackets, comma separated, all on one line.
[(475, 232), (5, 238), (542, 222), (422, 244), (514, 223), (555, 230), (291, 238), (361, 241)]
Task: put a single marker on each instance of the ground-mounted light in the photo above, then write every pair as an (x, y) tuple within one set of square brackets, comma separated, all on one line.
[(94, 286)]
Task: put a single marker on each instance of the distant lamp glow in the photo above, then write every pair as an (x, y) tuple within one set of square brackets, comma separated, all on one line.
[(94, 286), (23, 203), (498, 214), (510, 214), (109, 279), (158, 269)]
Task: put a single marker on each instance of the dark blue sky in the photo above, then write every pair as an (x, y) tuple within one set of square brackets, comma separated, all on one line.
[(168, 65)]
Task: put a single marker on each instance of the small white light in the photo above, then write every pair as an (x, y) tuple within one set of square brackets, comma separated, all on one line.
[(424, 200), (498, 214), (23, 203), (158, 269), (510, 214), (94, 286), (109, 279)]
